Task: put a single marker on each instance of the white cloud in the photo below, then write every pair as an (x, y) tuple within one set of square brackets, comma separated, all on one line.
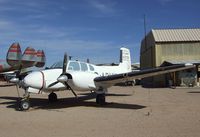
[(55, 41), (29, 30), (103, 8)]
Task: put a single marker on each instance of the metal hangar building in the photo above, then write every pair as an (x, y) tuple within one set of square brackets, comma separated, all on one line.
[(162, 47)]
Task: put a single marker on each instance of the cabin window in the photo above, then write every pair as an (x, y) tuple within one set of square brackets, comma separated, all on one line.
[(84, 67), (91, 68), (74, 66)]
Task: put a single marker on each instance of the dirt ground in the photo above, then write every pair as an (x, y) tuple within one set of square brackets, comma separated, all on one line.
[(130, 112)]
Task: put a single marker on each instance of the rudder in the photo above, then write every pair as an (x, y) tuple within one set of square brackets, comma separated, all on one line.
[(14, 55), (29, 57), (41, 59), (125, 58)]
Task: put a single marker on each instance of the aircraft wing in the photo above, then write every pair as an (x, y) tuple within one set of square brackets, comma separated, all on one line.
[(117, 78)]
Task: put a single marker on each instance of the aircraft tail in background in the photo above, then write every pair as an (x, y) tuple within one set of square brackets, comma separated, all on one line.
[(29, 57), (15, 59), (40, 59), (14, 55)]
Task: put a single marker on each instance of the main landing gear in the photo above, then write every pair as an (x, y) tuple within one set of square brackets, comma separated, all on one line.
[(52, 97), (101, 99)]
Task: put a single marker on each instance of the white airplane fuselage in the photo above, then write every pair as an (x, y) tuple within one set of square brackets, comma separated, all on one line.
[(80, 75), (82, 80)]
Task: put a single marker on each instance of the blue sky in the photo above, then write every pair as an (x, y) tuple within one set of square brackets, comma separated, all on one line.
[(94, 29)]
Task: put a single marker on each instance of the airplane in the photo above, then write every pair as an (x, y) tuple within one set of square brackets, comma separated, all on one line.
[(81, 76), (15, 60)]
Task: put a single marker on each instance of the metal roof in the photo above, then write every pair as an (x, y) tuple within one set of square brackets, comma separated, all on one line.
[(176, 35)]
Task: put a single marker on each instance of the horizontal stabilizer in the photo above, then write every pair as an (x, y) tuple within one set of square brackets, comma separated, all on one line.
[(41, 59), (14, 55)]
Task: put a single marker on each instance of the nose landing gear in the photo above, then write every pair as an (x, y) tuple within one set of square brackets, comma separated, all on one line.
[(24, 103)]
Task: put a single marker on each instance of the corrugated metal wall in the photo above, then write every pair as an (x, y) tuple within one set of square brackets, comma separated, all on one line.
[(180, 52), (176, 45)]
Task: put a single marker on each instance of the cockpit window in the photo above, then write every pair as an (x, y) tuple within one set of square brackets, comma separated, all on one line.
[(57, 65), (74, 66), (91, 68), (84, 67)]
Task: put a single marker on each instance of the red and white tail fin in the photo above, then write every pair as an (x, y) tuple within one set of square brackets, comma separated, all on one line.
[(41, 59), (14, 55), (125, 59), (29, 57)]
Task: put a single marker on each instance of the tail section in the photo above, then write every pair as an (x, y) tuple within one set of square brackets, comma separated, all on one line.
[(41, 59), (125, 59), (14, 55), (29, 57)]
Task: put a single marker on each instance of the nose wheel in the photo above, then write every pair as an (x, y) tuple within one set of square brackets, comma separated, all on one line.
[(24, 104)]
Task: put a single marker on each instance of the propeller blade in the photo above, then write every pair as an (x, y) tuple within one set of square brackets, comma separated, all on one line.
[(17, 78), (18, 73), (52, 84), (67, 85), (18, 99), (65, 61)]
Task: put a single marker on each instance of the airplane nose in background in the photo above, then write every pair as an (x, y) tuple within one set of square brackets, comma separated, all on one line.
[(34, 80)]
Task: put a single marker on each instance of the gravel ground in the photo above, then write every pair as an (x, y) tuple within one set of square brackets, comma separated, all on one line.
[(129, 112)]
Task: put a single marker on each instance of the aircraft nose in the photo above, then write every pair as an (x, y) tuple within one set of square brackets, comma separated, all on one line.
[(34, 80)]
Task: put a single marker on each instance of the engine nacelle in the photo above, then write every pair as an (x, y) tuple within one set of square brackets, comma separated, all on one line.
[(83, 81)]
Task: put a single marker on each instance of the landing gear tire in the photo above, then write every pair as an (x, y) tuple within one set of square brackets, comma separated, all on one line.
[(101, 99), (52, 97), (24, 105)]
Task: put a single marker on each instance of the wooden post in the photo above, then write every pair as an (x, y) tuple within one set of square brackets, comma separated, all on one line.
[(197, 70)]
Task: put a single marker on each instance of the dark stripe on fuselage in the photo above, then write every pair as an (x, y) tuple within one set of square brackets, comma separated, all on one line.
[(43, 82)]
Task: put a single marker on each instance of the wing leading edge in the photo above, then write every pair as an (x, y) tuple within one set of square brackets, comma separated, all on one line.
[(113, 79)]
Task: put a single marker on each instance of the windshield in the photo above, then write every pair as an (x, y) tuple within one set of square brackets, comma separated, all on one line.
[(57, 65)]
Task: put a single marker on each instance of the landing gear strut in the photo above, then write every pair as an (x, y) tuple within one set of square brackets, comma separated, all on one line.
[(52, 97), (24, 103), (100, 99)]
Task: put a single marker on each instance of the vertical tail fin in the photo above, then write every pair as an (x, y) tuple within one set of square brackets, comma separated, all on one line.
[(29, 57), (14, 55), (41, 59), (125, 59)]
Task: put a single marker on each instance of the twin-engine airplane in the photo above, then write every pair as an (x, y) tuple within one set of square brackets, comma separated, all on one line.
[(15, 60), (80, 76)]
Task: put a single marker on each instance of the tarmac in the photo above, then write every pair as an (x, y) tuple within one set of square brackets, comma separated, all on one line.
[(129, 112)]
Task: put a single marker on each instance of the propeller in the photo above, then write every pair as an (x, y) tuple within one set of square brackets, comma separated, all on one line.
[(17, 80), (63, 78)]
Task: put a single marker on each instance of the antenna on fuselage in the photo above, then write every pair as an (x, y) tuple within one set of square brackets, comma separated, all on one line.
[(88, 60), (70, 57)]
